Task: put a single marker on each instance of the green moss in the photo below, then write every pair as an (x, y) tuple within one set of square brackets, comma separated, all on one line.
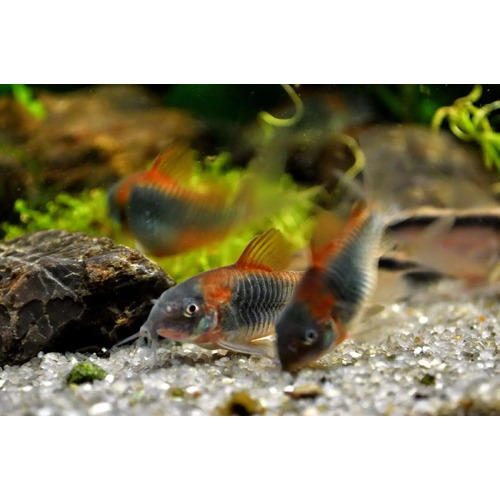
[(428, 379), (85, 372), (177, 392), (86, 212)]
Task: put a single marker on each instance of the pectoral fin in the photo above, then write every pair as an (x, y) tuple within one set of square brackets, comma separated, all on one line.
[(261, 347)]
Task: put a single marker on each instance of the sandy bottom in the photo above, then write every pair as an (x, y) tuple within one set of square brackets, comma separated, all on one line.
[(435, 357)]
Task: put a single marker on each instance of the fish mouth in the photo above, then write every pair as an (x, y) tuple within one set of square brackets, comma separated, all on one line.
[(172, 335), (291, 360), (291, 366)]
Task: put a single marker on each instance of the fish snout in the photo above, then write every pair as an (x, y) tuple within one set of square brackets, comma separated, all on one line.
[(288, 354)]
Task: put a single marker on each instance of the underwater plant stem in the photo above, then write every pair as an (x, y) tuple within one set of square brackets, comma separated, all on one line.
[(285, 122), (359, 157)]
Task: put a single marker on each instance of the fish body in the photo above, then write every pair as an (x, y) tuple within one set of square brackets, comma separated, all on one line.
[(233, 307), (333, 291), (462, 244), (167, 215)]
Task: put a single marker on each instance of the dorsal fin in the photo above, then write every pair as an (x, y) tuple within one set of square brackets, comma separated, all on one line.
[(268, 251), (175, 162), (331, 233)]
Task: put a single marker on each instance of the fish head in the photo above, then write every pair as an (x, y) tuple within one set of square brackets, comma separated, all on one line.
[(303, 337), (182, 314)]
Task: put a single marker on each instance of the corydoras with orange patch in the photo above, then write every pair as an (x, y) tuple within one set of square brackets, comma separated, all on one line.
[(233, 307), (333, 291)]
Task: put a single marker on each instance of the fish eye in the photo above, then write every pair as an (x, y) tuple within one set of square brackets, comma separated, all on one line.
[(309, 336), (191, 309)]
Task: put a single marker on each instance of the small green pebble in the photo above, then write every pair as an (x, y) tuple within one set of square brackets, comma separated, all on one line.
[(85, 372), (177, 392), (428, 379)]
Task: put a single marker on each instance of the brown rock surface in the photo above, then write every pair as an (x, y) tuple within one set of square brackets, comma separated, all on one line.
[(409, 166), (66, 291), (91, 137)]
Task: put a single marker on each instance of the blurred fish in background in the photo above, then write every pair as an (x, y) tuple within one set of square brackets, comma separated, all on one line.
[(171, 209)]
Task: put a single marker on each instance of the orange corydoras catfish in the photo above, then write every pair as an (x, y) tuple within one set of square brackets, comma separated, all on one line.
[(233, 307), (167, 215), (333, 291)]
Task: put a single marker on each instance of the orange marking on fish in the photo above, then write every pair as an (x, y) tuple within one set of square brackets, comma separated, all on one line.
[(343, 333), (123, 191), (190, 238), (215, 292), (333, 291), (313, 292), (332, 234)]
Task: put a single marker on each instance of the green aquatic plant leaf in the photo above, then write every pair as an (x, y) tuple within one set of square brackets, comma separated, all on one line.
[(470, 122), (407, 102), (24, 96)]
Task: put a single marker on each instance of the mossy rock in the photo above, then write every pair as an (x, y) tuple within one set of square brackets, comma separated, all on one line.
[(85, 372)]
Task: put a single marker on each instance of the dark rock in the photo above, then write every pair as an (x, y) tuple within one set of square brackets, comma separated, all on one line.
[(64, 291)]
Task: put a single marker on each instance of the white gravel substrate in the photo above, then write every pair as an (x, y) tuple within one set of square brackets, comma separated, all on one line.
[(438, 357)]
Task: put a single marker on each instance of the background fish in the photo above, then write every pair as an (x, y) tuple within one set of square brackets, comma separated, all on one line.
[(233, 307), (333, 291), (462, 244), (168, 215)]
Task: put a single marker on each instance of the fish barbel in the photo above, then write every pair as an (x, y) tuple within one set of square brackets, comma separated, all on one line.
[(233, 307), (333, 291)]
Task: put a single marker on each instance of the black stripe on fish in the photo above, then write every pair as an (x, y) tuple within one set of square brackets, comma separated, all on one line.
[(257, 300), (150, 209), (393, 264), (424, 277), (461, 220), (351, 273)]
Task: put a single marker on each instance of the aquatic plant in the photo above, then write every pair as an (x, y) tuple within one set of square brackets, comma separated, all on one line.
[(86, 212), (469, 122), (269, 121), (23, 94), (409, 102)]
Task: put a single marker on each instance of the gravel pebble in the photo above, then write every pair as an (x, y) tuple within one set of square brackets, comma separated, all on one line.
[(455, 352)]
